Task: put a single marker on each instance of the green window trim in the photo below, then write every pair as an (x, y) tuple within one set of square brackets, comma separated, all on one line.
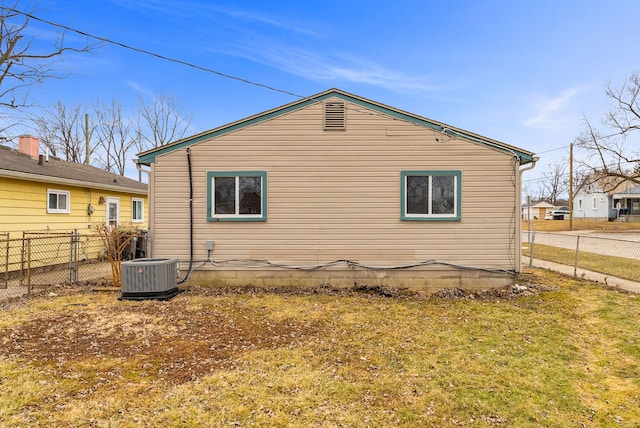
[(234, 201), (427, 177)]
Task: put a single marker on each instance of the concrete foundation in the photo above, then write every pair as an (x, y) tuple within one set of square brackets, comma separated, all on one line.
[(423, 281)]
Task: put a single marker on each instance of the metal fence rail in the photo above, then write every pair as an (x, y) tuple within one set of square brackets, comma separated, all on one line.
[(584, 247)]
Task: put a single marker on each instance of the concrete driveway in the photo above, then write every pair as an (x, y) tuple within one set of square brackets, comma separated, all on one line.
[(625, 244)]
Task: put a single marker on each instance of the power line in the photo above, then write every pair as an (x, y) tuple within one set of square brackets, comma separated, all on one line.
[(146, 52), (176, 61), (553, 150), (579, 171)]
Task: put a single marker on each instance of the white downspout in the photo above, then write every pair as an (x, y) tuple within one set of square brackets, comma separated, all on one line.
[(519, 202), (149, 204)]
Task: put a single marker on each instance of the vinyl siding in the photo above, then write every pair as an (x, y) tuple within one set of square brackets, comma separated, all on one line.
[(336, 195), (23, 206)]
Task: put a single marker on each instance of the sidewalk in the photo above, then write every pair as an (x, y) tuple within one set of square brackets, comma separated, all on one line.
[(609, 280)]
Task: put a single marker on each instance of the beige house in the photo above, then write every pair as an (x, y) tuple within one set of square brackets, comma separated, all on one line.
[(338, 189)]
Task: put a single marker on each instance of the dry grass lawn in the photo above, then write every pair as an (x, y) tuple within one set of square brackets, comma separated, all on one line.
[(563, 225), (621, 267), (562, 353)]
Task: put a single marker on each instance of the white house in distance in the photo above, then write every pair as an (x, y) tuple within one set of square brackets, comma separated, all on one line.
[(341, 190), (600, 199)]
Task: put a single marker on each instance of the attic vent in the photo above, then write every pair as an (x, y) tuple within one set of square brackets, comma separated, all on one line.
[(334, 116)]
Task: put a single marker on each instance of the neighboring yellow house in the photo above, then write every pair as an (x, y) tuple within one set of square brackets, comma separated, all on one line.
[(41, 193)]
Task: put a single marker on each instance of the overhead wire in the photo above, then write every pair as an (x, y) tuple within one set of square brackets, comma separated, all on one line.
[(577, 171), (147, 52)]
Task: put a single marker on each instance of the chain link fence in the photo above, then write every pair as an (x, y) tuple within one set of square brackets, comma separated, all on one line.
[(617, 260), (41, 259)]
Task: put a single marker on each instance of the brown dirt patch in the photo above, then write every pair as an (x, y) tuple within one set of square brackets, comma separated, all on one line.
[(172, 341)]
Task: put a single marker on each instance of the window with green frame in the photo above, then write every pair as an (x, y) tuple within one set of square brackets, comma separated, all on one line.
[(237, 196), (430, 195)]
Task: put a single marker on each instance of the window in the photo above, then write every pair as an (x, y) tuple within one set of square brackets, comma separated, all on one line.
[(580, 204), (594, 203), (430, 195), (237, 196), (58, 202), (137, 210)]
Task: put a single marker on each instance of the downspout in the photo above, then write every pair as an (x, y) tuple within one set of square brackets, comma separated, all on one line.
[(140, 169), (190, 218), (149, 234), (532, 165)]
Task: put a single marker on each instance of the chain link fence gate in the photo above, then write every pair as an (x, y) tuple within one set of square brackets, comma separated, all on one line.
[(41, 259)]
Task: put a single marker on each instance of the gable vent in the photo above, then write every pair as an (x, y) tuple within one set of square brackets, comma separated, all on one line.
[(334, 116)]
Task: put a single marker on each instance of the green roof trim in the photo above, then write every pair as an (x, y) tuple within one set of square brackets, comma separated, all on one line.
[(149, 156)]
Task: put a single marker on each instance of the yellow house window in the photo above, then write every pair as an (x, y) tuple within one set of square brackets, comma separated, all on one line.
[(137, 210), (58, 201)]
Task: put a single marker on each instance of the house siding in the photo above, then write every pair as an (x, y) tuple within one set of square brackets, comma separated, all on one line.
[(587, 212), (23, 205), (335, 195)]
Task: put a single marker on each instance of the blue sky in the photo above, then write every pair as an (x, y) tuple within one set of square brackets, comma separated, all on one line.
[(522, 72)]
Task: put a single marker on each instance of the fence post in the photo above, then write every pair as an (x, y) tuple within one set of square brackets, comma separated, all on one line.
[(6, 263), (533, 240), (74, 257), (28, 266), (575, 264)]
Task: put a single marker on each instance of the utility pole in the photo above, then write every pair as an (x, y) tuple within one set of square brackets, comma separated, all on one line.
[(571, 186), (87, 161)]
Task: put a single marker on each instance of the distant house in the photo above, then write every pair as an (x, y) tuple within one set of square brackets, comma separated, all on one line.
[(537, 211), (338, 189), (43, 193), (629, 201), (598, 199)]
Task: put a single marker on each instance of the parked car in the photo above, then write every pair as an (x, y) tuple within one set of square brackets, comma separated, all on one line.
[(618, 214), (561, 213)]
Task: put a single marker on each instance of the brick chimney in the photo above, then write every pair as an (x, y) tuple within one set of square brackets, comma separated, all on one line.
[(28, 145)]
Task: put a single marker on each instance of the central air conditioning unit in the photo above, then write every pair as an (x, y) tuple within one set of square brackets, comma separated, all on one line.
[(152, 278)]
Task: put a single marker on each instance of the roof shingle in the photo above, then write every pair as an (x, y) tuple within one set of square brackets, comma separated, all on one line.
[(56, 169)]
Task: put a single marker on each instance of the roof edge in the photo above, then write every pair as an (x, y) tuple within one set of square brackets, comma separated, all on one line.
[(70, 182), (148, 157)]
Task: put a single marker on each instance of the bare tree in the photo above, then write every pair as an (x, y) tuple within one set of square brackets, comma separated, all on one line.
[(24, 63), (114, 136), (160, 122), (62, 130), (555, 182), (615, 153)]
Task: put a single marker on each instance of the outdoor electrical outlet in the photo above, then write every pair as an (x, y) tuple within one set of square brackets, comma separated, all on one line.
[(209, 245)]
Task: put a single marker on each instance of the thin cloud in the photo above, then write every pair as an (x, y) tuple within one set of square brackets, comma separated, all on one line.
[(554, 111), (335, 67), (191, 9), (290, 46), (269, 20)]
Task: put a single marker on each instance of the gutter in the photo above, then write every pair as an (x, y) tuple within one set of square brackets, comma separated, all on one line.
[(532, 165), (70, 182)]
